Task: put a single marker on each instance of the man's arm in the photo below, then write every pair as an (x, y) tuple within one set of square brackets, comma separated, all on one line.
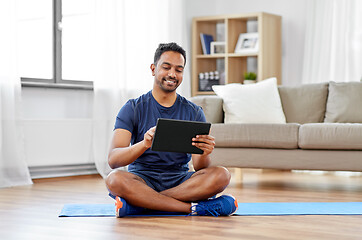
[(121, 153), (205, 143)]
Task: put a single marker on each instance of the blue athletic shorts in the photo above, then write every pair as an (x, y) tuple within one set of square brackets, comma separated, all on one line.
[(162, 181), (169, 180)]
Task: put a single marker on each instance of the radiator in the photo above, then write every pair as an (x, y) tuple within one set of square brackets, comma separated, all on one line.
[(58, 143), (62, 170)]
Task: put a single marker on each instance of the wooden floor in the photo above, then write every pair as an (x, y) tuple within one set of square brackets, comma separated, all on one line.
[(31, 212)]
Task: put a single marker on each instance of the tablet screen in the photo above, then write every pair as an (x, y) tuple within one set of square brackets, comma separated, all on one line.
[(176, 135)]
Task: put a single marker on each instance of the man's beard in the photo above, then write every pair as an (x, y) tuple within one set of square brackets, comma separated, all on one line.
[(164, 82)]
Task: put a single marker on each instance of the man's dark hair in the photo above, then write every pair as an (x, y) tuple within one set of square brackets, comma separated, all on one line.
[(164, 47)]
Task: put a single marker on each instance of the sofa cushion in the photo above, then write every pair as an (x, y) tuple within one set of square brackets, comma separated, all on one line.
[(252, 103), (344, 104), (284, 136), (305, 103), (343, 136), (212, 106)]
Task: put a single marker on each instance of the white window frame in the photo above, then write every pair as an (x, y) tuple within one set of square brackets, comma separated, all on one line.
[(57, 81)]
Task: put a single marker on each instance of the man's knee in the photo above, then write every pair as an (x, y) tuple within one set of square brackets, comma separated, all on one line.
[(224, 175), (221, 177), (116, 182)]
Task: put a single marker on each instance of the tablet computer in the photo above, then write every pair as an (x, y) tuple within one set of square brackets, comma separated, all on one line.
[(176, 135)]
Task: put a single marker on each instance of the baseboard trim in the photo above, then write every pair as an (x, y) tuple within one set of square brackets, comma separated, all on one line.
[(62, 170)]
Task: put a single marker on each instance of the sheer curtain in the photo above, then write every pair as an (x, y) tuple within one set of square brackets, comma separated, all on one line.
[(127, 34), (333, 44), (13, 168)]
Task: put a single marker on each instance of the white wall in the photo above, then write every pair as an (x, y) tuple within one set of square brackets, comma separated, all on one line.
[(51, 103), (293, 14), (57, 126)]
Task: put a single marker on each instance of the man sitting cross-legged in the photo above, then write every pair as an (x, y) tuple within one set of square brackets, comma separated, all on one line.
[(161, 180)]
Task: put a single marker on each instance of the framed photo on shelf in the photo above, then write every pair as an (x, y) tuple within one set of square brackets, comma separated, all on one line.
[(217, 47), (247, 43)]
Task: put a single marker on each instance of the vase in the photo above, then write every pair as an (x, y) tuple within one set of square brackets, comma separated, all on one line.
[(247, 81)]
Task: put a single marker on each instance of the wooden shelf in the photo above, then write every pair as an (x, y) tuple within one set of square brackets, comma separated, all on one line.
[(234, 65), (222, 55), (242, 54), (210, 56), (205, 93)]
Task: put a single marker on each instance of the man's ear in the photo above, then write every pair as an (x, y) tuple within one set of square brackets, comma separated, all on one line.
[(153, 67)]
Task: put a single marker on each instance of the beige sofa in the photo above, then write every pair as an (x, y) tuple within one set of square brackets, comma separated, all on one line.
[(323, 131)]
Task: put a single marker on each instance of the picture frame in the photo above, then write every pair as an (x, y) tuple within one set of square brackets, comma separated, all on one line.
[(247, 43), (217, 47)]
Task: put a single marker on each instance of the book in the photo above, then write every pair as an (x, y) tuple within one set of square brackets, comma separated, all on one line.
[(206, 40)]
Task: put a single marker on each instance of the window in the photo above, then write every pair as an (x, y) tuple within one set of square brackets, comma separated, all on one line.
[(55, 42)]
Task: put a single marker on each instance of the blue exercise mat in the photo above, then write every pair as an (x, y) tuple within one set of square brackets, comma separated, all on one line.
[(245, 209), (299, 208), (105, 210), (88, 210)]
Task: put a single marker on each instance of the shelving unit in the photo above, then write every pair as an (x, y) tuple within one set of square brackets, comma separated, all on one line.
[(268, 56)]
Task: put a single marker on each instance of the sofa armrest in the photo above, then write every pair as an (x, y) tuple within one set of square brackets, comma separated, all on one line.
[(212, 106)]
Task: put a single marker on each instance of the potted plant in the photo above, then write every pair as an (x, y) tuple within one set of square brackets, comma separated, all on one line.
[(249, 77)]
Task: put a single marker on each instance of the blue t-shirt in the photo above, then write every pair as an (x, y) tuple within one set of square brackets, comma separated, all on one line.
[(140, 114)]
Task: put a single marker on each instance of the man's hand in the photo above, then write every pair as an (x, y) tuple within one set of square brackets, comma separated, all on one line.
[(148, 137), (205, 143)]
